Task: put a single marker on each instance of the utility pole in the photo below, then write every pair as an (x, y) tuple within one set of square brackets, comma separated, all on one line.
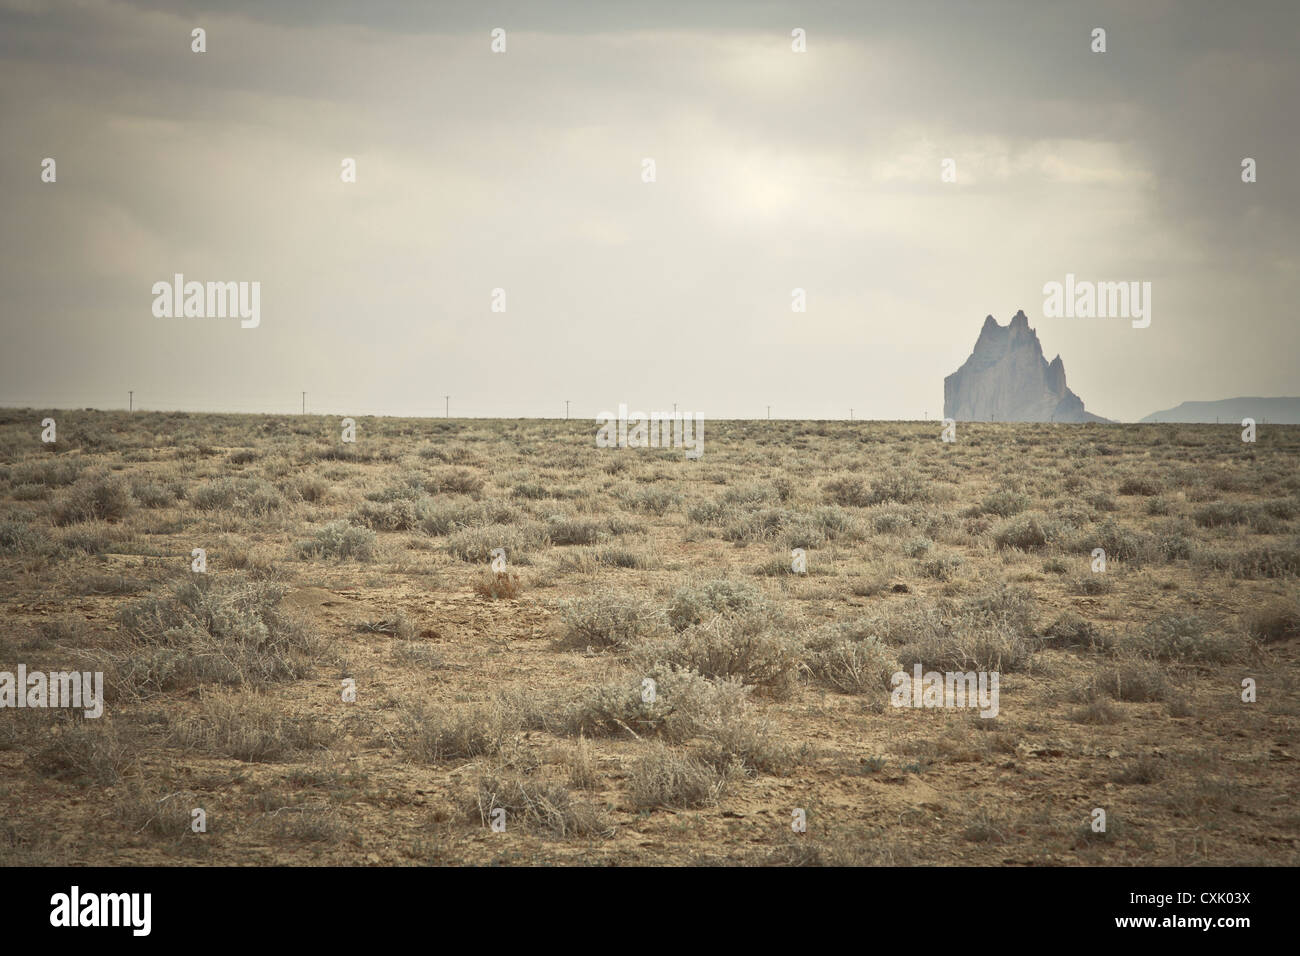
[(566, 409), (447, 413), (304, 403), (769, 413), (850, 414), (130, 405)]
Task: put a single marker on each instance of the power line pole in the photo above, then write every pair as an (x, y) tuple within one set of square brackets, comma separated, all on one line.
[(769, 413), (447, 413), (850, 414), (130, 405), (566, 409), (304, 403)]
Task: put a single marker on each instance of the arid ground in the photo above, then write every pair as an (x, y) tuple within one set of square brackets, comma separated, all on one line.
[(332, 565)]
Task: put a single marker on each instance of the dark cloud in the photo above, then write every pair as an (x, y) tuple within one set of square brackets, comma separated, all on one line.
[(775, 171)]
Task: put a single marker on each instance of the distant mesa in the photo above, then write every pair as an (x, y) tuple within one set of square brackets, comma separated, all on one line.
[(1007, 379), (1275, 411)]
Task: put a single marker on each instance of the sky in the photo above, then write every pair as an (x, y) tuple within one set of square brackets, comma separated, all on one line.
[(523, 171)]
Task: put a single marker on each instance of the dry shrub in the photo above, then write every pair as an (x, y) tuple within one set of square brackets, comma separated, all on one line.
[(613, 619), (99, 497), (668, 777), (205, 630), (431, 736), (538, 806), (250, 727), (497, 585), (752, 647), (1279, 621)]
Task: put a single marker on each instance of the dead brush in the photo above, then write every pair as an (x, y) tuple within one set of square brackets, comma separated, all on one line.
[(169, 815), (251, 728), (495, 585), (537, 806), (667, 777), (751, 647), (395, 625)]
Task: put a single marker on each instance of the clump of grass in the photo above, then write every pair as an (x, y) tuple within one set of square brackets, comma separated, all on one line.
[(85, 752), (693, 604), (17, 538), (1136, 680), (496, 586), (476, 545), (1097, 712), (848, 665), (583, 770), (531, 491), (100, 497), (1085, 836), (204, 630), (537, 806), (152, 494), (655, 501), (667, 777), (992, 631), (898, 486), (1185, 638), (340, 540), (52, 473), (251, 728), (1101, 501), (716, 715), (1119, 542), (613, 619), (1141, 485), (161, 814), (249, 497), (455, 481), (1004, 504), (561, 530), (1093, 584), (402, 514), (1143, 770), (1279, 621), (1269, 561), (1073, 630), (942, 567), (917, 547), (1026, 533), (986, 827), (1159, 506), (751, 647), (311, 488), (434, 735)]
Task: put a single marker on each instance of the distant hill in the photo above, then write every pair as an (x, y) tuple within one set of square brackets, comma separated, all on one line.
[(1276, 411), (1007, 379)]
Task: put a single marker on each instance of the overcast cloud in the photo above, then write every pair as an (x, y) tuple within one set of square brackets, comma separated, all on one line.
[(522, 171)]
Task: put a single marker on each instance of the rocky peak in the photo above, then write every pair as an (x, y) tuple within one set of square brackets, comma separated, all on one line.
[(1007, 378)]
